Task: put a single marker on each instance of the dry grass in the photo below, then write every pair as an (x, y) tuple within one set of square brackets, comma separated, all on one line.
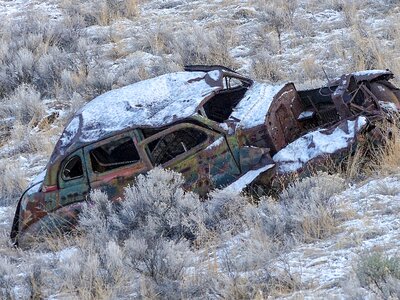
[(380, 274), (278, 15), (374, 155), (163, 241), (26, 140), (24, 105), (388, 157), (311, 68), (103, 12), (266, 67), (12, 181)]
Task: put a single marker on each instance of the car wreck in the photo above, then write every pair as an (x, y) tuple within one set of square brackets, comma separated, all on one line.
[(218, 128)]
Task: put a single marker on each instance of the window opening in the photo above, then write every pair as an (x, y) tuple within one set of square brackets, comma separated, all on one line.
[(234, 83), (114, 155), (173, 144), (319, 101), (221, 106), (148, 132), (73, 168)]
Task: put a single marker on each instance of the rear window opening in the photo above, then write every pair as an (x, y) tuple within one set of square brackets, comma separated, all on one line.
[(221, 106), (176, 143), (114, 155)]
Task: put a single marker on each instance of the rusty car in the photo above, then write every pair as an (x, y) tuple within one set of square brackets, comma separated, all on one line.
[(218, 128)]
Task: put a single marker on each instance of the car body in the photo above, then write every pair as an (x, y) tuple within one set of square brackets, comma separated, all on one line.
[(213, 125)]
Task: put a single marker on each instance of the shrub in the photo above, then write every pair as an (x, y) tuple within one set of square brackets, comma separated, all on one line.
[(12, 182), (35, 281), (267, 67), (92, 272), (385, 156), (305, 210), (23, 104), (196, 45), (24, 139), (161, 260), (156, 201), (154, 225), (35, 53), (380, 274), (278, 15), (105, 12), (225, 213), (6, 279)]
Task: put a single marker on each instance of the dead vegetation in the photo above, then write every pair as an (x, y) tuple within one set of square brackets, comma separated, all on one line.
[(163, 241), (372, 157), (380, 274), (12, 181)]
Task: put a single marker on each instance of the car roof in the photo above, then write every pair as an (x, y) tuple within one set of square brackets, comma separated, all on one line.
[(367, 75), (151, 103)]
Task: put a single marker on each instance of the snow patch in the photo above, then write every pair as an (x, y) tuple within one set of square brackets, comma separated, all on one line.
[(237, 186), (306, 115), (67, 254), (253, 108), (389, 106), (315, 144), (70, 131), (216, 143), (214, 75), (369, 72)]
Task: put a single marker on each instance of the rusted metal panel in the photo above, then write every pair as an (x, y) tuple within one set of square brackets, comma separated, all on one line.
[(282, 122)]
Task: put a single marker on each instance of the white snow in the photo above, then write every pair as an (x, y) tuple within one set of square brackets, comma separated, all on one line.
[(34, 185), (326, 266), (216, 143), (14, 9), (65, 255), (215, 75), (369, 72), (253, 108), (2, 210), (315, 144), (70, 131), (389, 106), (225, 127), (306, 114), (237, 186), (381, 88), (365, 73)]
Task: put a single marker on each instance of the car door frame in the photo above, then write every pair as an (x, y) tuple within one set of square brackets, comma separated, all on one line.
[(120, 175), (186, 155), (65, 184)]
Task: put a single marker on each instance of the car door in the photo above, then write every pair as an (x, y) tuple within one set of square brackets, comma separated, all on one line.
[(113, 163), (72, 179), (201, 155)]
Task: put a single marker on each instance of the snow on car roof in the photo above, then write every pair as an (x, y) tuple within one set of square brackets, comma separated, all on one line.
[(364, 75), (253, 109), (154, 102)]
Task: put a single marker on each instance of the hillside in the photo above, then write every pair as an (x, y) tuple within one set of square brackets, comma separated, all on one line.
[(328, 236)]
